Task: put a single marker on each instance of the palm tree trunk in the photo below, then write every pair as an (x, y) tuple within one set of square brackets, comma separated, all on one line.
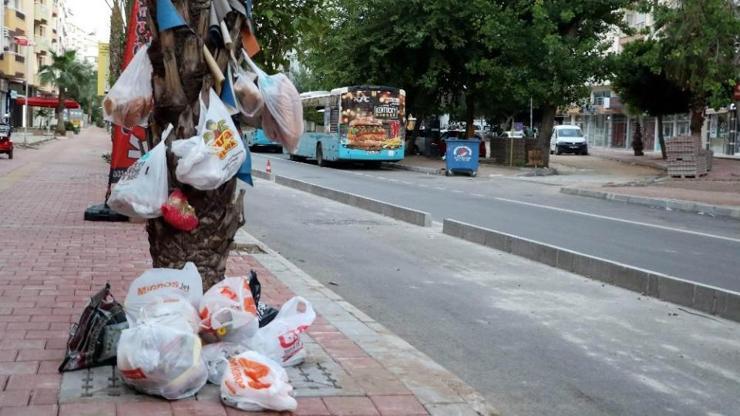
[(61, 128), (179, 76)]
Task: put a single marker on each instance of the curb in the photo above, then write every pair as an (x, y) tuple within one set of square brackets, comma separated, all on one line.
[(645, 163), (411, 216), (709, 299), (674, 204), (420, 169), (440, 391)]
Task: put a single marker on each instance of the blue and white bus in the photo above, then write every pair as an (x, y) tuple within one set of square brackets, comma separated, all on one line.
[(360, 123), (256, 139)]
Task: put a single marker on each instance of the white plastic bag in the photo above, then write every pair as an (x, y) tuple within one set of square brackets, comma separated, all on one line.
[(162, 358), (284, 122), (280, 340), (129, 100), (216, 356), (211, 158), (228, 312), (163, 307), (142, 189), (254, 382), (158, 285)]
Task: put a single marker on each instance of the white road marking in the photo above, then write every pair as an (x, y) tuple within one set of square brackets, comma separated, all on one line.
[(604, 217)]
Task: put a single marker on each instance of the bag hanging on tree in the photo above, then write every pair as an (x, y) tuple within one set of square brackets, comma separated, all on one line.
[(247, 93), (253, 382), (142, 189), (162, 358), (283, 120), (93, 340), (178, 213), (156, 285), (129, 100), (281, 339), (228, 312), (214, 156)]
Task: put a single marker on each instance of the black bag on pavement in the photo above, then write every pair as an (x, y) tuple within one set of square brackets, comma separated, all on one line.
[(94, 339), (265, 313)]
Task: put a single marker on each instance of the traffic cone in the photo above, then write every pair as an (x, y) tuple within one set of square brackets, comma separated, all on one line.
[(268, 168)]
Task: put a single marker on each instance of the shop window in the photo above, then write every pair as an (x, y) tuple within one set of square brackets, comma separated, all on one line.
[(600, 95)]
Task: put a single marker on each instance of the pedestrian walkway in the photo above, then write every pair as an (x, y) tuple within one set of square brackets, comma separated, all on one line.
[(52, 261)]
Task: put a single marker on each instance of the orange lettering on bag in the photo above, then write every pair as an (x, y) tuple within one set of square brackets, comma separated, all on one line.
[(226, 291)]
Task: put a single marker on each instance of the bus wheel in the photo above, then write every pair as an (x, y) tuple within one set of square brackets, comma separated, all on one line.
[(320, 156)]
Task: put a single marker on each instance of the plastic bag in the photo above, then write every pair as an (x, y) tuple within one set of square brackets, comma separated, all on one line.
[(216, 356), (157, 284), (281, 339), (129, 101), (214, 156), (265, 313), (283, 120), (162, 308), (93, 340), (255, 382), (162, 358), (247, 93), (228, 312), (178, 213), (142, 189)]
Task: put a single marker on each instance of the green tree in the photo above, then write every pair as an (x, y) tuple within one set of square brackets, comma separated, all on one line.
[(562, 48), (699, 38), (66, 74), (641, 81)]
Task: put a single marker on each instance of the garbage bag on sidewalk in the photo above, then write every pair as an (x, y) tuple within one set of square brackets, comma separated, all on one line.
[(281, 339), (214, 156), (216, 356), (162, 358), (283, 118), (228, 312), (94, 339), (157, 284), (254, 382), (162, 308), (129, 100), (143, 188), (265, 313)]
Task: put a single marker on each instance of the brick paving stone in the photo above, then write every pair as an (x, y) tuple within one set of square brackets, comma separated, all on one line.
[(43, 410), (350, 406), (311, 406), (33, 381), (40, 354), (162, 408), (27, 367), (230, 411), (8, 355), (48, 367), (88, 409), (45, 396), (197, 408), (406, 405), (14, 398)]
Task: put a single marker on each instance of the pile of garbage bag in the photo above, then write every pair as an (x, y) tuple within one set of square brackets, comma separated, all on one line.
[(179, 338)]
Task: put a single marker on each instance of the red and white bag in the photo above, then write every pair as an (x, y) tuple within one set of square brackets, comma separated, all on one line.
[(253, 382), (228, 312), (281, 340)]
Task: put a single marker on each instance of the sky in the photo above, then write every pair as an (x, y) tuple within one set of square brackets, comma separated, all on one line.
[(91, 15)]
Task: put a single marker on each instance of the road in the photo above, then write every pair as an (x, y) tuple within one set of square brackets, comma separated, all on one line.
[(532, 339), (689, 246)]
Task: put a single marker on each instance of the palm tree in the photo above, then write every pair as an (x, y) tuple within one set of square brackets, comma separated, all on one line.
[(65, 73)]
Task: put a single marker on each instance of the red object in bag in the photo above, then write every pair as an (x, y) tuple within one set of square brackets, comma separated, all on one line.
[(178, 213)]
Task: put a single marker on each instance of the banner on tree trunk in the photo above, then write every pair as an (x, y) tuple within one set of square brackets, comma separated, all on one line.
[(129, 144)]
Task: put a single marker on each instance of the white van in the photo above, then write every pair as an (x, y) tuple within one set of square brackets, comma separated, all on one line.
[(568, 139)]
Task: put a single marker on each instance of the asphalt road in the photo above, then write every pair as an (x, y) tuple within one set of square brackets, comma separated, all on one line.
[(690, 246), (532, 339)]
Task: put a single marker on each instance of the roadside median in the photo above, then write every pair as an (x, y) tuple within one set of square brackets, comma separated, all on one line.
[(708, 299)]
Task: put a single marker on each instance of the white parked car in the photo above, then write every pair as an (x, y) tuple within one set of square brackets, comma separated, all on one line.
[(514, 134), (568, 139)]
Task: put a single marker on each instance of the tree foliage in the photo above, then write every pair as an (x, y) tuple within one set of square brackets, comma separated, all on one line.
[(67, 74)]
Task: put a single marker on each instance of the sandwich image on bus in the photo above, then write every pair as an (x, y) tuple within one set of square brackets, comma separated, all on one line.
[(361, 123)]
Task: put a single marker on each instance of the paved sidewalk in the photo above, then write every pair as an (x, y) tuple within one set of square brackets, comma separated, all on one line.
[(52, 261)]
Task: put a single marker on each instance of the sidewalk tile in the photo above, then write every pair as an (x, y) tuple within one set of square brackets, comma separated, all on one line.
[(45, 410), (350, 406), (197, 408), (40, 355), (311, 406), (35, 381), (26, 367), (49, 367), (162, 408), (21, 344), (14, 398), (45, 396), (405, 405), (89, 409), (8, 355), (230, 411)]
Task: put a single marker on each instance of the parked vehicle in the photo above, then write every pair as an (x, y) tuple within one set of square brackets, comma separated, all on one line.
[(359, 123), (6, 144), (568, 139), (516, 134), (256, 139), (458, 134)]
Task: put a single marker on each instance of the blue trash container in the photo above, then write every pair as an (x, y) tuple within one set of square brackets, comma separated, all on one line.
[(462, 156)]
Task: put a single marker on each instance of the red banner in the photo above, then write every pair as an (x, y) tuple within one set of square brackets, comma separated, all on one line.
[(128, 145)]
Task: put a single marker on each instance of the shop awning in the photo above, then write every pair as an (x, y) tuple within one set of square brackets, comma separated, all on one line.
[(46, 102)]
